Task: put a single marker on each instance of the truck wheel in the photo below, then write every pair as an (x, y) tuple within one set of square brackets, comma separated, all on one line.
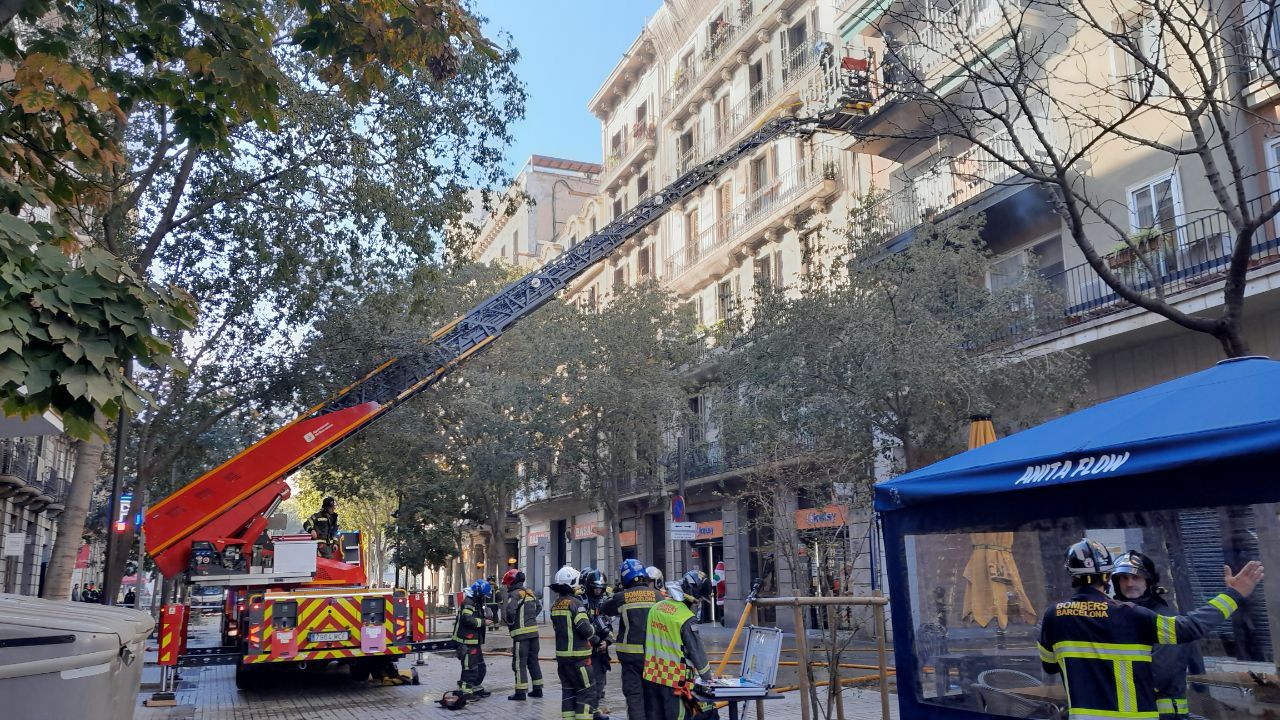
[(246, 679), (359, 671)]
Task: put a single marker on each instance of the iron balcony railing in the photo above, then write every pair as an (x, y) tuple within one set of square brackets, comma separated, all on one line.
[(1186, 255), (735, 19), (54, 485), (18, 459), (776, 193), (713, 458), (635, 138), (951, 183), (1262, 43)]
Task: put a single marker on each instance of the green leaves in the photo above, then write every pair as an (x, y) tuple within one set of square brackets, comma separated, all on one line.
[(65, 331)]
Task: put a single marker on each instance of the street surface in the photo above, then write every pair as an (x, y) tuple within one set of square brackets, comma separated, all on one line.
[(328, 694)]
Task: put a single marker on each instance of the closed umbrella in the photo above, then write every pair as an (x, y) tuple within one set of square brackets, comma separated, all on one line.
[(992, 575)]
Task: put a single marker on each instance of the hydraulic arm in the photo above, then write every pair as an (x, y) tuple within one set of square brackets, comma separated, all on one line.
[(228, 505)]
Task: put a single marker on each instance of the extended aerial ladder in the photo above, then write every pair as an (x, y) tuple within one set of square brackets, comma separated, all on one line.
[(209, 527)]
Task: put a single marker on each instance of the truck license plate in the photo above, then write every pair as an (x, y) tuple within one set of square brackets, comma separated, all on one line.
[(329, 636)]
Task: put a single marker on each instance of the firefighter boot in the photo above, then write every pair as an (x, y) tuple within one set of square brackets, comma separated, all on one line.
[(536, 691), (519, 695)]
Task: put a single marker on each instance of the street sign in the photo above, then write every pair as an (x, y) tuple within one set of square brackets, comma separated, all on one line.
[(684, 531), (677, 508), (13, 543)]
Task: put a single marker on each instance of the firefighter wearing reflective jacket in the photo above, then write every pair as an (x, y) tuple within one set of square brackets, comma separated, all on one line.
[(673, 653), (593, 595), (521, 614), (575, 638), (1103, 647), (1135, 580), (468, 633), (631, 606)]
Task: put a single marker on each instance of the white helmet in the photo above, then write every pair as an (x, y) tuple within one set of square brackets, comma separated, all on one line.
[(676, 591), (567, 576), (655, 575)]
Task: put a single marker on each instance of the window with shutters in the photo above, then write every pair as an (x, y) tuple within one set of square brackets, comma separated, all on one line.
[(619, 278), (726, 300), (642, 185), (644, 263), (1142, 57)]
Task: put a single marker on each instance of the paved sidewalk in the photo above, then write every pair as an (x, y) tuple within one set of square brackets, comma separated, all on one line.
[(328, 694)]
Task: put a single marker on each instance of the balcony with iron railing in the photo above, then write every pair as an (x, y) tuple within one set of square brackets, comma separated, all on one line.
[(17, 469), (810, 179), (925, 55), (1261, 48), (1193, 251), (952, 183), (736, 23), (639, 145)]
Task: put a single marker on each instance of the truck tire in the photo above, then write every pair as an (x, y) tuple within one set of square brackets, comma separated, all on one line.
[(247, 679)]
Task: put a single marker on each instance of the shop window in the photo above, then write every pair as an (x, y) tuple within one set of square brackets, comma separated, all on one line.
[(977, 595)]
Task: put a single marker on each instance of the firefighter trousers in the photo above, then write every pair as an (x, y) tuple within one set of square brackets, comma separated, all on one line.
[(473, 669), (630, 673), (662, 703), (575, 688), (524, 662), (599, 676)]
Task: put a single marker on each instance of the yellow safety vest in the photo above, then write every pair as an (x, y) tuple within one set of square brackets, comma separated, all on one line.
[(663, 647)]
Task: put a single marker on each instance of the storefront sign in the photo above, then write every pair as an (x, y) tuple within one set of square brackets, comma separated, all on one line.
[(537, 536), (684, 531), (13, 543), (627, 538), (710, 530), (585, 530), (823, 517)]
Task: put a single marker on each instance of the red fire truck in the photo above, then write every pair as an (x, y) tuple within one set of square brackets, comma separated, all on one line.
[(286, 605)]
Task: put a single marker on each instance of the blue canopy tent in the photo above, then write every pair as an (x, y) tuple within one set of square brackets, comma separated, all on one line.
[(1210, 439)]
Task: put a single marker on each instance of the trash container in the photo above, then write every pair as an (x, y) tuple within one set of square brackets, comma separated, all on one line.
[(63, 659)]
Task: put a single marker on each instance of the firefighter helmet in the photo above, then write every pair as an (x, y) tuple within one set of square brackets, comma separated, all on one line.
[(695, 585), (591, 579), (1088, 557), (566, 578), (1135, 563), (655, 575), (481, 589), (632, 570), (513, 576)]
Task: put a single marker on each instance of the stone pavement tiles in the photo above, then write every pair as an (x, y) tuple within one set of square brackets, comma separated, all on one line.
[(328, 694)]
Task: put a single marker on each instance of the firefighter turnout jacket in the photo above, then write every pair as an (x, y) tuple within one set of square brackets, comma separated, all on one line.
[(521, 612), (1103, 648), (673, 650), (1170, 663), (324, 524), (468, 626), (574, 632), (631, 606)]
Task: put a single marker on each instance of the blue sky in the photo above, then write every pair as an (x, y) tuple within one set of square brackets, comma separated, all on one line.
[(567, 49)]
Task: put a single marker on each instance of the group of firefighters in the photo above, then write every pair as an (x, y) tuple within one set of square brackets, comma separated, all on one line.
[(657, 644)]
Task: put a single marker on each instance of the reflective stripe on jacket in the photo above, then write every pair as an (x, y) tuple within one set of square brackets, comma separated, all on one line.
[(468, 626), (631, 606), (664, 656), (573, 628), (1103, 648), (521, 611)]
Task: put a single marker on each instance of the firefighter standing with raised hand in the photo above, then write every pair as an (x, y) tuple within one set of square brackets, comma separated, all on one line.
[(521, 613), (593, 592), (468, 633), (575, 638), (673, 653), (1135, 580), (1103, 647), (631, 606)]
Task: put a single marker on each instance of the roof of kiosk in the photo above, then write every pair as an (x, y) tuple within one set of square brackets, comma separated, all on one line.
[(1231, 410)]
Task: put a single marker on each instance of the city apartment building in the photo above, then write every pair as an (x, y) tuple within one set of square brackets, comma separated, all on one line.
[(35, 477)]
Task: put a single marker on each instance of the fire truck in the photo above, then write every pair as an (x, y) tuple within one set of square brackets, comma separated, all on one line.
[(283, 603)]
